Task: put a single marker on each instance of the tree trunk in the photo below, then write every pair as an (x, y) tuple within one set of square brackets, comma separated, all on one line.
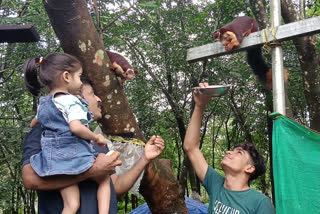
[(240, 117), (74, 28), (310, 64), (162, 180)]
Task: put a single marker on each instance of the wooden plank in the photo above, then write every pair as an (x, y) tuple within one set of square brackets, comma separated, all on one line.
[(282, 33), (18, 33)]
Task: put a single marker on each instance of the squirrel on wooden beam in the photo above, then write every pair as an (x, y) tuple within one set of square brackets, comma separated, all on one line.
[(232, 34), (121, 67)]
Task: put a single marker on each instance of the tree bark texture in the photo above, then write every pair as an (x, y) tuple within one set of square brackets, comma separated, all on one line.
[(310, 64), (259, 10), (154, 179), (74, 28)]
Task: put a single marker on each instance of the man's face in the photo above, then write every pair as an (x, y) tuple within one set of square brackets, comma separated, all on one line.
[(94, 102), (237, 160)]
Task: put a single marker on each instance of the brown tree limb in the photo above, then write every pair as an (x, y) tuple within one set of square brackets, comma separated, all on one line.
[(240, 117), (151, 180), (259, 12), (115, 19), (95, 6)]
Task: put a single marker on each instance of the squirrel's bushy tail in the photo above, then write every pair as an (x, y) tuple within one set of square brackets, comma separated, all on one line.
[(259, 66)]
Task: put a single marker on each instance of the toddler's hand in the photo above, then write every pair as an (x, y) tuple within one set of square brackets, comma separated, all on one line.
[(101, 140)]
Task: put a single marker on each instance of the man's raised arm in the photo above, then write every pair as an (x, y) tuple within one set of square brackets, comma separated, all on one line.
[(192, 138)]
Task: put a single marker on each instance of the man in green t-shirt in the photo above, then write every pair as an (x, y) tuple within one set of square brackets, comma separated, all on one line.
[(232, 194)]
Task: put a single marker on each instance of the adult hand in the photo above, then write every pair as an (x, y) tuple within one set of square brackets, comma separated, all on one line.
[(153, 148), (104, 165), (201, 100)]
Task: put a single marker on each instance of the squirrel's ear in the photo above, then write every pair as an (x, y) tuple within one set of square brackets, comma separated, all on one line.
[(216, 35)]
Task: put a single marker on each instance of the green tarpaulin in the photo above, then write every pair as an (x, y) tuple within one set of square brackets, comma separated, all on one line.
[(296, 167)]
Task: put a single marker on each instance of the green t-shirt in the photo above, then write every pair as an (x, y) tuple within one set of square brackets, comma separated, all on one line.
[(224, 201)]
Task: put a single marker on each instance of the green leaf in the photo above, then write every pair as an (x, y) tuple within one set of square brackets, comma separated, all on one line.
[(118, 23), (150, 4)]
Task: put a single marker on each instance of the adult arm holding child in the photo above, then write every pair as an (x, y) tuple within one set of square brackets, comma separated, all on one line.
[(103, 165)]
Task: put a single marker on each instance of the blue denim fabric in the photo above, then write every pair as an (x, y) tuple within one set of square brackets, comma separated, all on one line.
[(50, 202), (61, 151)]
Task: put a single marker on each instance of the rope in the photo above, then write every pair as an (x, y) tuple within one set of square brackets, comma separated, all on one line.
[(273, 42), (127, 140)]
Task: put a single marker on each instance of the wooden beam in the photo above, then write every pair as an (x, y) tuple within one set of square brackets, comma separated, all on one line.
[(282, 33), (18, 33)]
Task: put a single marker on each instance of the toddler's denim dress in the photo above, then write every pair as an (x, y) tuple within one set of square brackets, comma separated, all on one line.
[(62, 152)]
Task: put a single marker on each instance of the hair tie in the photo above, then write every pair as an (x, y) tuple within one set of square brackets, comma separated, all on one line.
[(40, 60)]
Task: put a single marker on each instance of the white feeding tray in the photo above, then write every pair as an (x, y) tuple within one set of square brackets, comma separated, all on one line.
[(213, 90)]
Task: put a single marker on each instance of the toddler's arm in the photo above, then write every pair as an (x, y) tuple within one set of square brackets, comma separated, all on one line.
[(82, 131)]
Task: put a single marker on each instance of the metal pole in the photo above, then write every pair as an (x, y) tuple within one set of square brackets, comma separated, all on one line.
[(277, 63)]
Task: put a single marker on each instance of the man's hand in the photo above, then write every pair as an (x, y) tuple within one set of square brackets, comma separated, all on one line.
[(201, 100), (104, 165), (153, 148), (124, 182)]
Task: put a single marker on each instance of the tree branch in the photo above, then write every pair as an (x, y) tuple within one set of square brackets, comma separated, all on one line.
[(115, 19)]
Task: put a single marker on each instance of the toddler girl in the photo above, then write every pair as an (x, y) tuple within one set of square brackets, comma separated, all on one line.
[(65, 142)]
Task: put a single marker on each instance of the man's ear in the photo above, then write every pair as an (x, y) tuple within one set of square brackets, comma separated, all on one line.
[(250, 169), (66, 76)]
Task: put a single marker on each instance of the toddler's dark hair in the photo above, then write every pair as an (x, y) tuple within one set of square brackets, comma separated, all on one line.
[(48, 70)]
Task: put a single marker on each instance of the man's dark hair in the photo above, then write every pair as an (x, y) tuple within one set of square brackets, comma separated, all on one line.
[(256, 157), (86, 81)]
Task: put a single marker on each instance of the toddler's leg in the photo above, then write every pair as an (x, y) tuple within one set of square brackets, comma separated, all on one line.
[(71, 199), (104, 196)]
